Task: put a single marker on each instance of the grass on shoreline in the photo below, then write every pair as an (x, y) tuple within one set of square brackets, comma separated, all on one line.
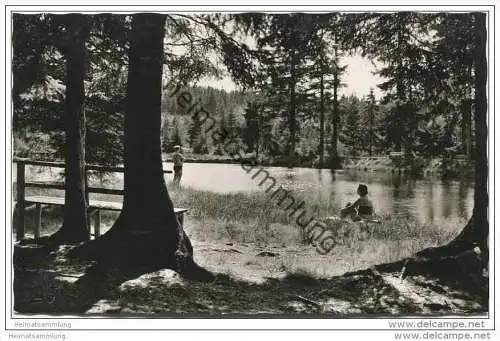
[(261, 265)]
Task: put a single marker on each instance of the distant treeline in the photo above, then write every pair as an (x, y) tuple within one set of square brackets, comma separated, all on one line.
[(291, 111)]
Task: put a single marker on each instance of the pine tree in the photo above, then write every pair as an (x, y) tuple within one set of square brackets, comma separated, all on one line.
[(251, 130), (176, 137), (74, 228), (325, 81), (351, 131), (196, 137), (171, 135), (394, 40), (454, 44), (368, 121), (336, 121), (232, 125), (211, 103), (288, 43), (147, 234), (165, 135)]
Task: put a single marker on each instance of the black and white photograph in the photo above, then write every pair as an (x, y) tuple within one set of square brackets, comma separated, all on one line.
[(302, 163)]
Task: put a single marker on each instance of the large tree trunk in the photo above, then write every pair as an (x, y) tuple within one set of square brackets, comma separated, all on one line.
[(466, 127), (74, 227), (147, 230), (475, 233)]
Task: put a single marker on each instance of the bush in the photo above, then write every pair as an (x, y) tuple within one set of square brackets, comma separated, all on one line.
[(32, 144)]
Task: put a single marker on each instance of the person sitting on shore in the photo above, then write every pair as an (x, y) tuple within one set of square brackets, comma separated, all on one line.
[(178, 160), (361, 208)]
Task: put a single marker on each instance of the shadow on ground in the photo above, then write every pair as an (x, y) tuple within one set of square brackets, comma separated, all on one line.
[(48, 282)]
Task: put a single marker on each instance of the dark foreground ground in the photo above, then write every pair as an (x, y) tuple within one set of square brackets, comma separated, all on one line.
[(47, 282)]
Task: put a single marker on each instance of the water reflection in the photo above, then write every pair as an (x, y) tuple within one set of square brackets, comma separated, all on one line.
[(428, 200), (429, 203), (425, 199), (463, 188), (332, 174), (446, 194)]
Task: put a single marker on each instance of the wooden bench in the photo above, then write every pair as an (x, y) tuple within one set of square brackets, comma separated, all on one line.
[(94, 206)]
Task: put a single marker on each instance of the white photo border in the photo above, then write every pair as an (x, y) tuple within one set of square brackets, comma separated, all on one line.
[(89, 323)]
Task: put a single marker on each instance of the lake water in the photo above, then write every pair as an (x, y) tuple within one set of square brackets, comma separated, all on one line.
[(428, 200)]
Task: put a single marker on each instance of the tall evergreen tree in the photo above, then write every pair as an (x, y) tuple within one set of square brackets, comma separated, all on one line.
[(288, 43), (369, 120), (251, 130), (336, 127), (325, 80), (147, 232), (476, 232), (176, 137), (74, 228), (197, 138), (351, 129), (395, 40), (455, 47)]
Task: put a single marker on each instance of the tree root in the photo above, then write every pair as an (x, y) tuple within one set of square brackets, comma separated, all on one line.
[(141, 253), (465, 270), (460, 263), (60, 237)]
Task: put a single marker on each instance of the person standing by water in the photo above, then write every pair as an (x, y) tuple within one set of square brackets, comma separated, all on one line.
[(178, 160)]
